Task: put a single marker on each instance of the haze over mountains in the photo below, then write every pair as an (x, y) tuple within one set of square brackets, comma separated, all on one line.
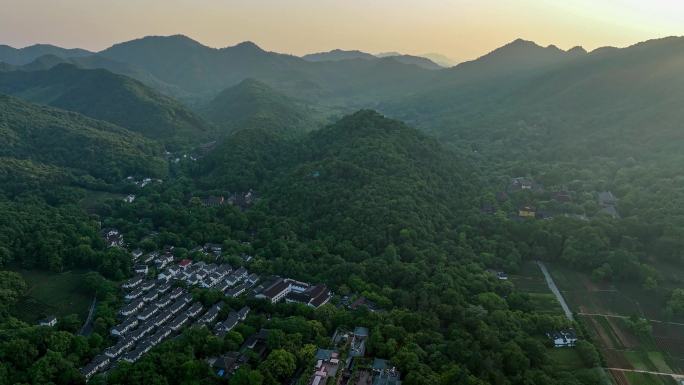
[(388, 178), (520, 81)]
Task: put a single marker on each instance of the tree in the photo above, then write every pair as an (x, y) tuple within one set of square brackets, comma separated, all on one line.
[(675, 305), (246, 376), (280, 363), (588, 353), (70, 323), (12, 287)]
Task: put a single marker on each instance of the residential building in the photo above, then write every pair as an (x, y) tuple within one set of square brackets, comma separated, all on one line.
[(276, 291), (179, 321), (358, 343), (133, 295), (118, 349), (148, 312), (177, 292), (226, 364), (124, 327), (136, 254), (132, 307), (242, 313), (224, 327), (385, 376), (49, 321), (98, 363), (140, 268), (563, 338), (150, 296), (314, 296), (211, 314), (236, 291), (133, 282), (195, 309)]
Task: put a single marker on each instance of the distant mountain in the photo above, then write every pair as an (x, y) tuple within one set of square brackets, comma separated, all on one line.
[(95, 61), (417, 61), (204, 71), (21, 56), (338, 54), (440, 59), (194, 67), (388, 54), (35, 135), (515, 57), (571, 104), (103, 95), (253, 104)]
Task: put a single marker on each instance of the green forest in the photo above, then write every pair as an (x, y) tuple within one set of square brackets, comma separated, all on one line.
[(419, 203)]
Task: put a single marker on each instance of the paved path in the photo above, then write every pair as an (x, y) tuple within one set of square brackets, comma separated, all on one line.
[(673, 375), (85, 329), (555, 291)]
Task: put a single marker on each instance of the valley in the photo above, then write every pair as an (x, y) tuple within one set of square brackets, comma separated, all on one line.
[(341, 217)]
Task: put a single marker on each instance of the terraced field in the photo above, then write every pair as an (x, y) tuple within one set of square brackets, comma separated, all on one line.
[(604, 310)]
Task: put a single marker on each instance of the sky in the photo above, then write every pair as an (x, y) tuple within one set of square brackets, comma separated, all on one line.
[(460, 29)]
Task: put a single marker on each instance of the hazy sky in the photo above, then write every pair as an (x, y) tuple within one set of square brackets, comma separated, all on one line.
[(461, 29)]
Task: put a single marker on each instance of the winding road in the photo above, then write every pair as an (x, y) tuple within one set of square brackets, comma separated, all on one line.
[(555, 291)]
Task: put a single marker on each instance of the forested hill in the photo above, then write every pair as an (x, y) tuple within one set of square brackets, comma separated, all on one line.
[(254, 104), (366, 179), (204, 72), (373, 181), (70, 140), (610, 102), (103, 95)]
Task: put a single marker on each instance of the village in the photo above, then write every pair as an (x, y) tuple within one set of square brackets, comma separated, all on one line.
[(159, 307)]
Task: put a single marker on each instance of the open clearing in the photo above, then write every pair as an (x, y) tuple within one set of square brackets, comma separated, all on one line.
[(530, 280), (49, 293)]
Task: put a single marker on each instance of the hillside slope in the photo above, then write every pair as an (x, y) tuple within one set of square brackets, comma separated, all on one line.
[(624, 102), (205, 71), (75, 142), (253, 104), (103, 95), (350, 180)]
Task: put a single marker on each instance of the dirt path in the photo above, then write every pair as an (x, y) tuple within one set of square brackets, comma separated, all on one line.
[(673, 375), (624, 317), (555, 291)]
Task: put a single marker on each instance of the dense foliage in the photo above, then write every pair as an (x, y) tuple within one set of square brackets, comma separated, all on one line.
[(253, 104), (72, 141), (103, 95)]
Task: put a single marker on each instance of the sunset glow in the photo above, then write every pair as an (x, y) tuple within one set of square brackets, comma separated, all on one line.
[(461, 29)]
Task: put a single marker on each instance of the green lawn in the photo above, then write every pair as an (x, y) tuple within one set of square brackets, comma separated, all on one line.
[(565, 358), (51, 293), (530, 280), (545, 303)]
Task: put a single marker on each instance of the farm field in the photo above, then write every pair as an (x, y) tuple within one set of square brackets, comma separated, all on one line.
[(604, 310), (634, 378), (530, 280), (51, 293)]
